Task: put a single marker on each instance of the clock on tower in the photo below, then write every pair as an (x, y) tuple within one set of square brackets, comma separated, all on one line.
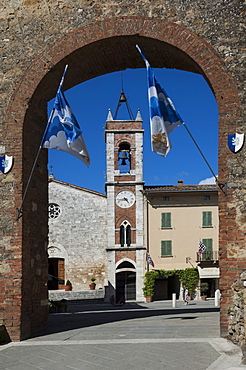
[(124, 185)]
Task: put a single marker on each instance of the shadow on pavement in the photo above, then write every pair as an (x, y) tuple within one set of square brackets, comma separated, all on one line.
[(78, 317)]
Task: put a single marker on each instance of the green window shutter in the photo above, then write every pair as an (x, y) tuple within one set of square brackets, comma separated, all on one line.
[(166, 220), (207, 219), (166, 248), (208, 254)]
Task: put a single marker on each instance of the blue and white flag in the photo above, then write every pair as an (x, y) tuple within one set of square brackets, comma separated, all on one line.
[(63, 131), (163, 116), (6, 163), (235, 142)]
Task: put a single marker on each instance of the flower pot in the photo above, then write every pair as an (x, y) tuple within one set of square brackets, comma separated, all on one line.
[(68, 288), (204, 297), (52, 309), (149, 299), (92, 286)]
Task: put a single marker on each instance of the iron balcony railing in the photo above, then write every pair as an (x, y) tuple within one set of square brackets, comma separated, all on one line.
[(207, 256)]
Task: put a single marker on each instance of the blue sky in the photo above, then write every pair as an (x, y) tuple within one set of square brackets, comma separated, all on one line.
[(192, 98)]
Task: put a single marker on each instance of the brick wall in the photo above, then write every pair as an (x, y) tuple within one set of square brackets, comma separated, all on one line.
[(98, 38)]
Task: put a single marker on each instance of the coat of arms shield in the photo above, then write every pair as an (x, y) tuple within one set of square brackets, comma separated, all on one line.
[(6, 163), (235, 142)]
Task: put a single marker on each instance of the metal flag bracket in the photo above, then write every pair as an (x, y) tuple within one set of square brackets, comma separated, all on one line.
[(223, 187), (18, 213)]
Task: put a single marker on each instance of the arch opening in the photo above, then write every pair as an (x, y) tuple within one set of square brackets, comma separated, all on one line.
[(91, 56)]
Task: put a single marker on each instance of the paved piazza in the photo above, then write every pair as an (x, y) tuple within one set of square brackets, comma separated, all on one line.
[(137, 336)]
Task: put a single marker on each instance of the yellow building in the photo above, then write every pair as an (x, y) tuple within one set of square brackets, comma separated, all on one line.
[(177, 219)]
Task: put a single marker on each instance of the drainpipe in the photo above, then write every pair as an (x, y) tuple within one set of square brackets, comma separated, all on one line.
[(147, 233)]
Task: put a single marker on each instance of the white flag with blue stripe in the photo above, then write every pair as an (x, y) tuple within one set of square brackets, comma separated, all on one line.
[(163, 116), (63, 131)]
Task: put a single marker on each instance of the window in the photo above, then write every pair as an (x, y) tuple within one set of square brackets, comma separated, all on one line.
[(166, 199), (166, 248), (54, 210), (166, 220), (125, 234), (207, 219), (206, 197), (208, 253)]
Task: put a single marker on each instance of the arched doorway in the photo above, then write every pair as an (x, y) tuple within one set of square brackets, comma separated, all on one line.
[(125, 281), (91, 51)]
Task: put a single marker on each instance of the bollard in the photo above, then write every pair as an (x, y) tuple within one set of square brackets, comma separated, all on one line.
[(217, 298), (174, 300)]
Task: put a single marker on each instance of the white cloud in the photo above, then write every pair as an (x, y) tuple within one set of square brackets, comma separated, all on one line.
[(208, 181)]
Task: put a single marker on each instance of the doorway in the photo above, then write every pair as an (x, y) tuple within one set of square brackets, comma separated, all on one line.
[(126, 285), (56, 273)]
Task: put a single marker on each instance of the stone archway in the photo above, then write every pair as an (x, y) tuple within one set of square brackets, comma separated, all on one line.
[(101, 47)]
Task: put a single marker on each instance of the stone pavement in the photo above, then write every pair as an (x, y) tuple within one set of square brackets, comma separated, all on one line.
[(137, 336)]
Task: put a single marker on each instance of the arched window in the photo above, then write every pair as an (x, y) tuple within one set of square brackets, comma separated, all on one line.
[(124, 158), (125, 234)]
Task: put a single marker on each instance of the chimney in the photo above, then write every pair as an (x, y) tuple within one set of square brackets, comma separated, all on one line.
[(180, 182)]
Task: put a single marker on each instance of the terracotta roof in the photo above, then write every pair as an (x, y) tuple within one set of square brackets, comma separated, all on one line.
[(179, 188)]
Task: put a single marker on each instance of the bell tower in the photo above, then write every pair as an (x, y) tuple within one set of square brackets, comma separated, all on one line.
[(124, 189)]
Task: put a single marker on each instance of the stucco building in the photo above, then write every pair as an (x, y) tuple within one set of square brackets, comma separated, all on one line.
[(177, 219)]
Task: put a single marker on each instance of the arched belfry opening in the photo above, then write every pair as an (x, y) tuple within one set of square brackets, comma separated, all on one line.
[(90, 51), (124, 158)]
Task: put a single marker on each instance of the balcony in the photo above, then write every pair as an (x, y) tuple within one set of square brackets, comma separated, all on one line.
[(209, 257)]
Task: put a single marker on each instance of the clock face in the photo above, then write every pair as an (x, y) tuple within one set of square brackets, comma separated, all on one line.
[(125, 199)]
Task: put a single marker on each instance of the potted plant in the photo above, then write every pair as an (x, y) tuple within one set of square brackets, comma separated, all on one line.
[(62, 305), (52, 307), (68, 286), (203, 289), (149, 286), (92, 284)]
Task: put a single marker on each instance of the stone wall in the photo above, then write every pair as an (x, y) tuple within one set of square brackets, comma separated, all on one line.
[(79, 234), (236, 313), (98, 37)]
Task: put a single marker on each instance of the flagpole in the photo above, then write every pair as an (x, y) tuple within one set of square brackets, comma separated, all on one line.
[(221, 186), (19, 210), (203, 156), (153, 84)]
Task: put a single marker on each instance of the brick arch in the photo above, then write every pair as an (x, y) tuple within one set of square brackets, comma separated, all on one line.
[(109, 45), (96, 49)]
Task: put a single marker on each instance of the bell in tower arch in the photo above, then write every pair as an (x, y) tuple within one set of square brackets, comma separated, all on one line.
[(124, 158)]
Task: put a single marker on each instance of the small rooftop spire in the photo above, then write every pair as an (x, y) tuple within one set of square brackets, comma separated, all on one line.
[(139, 117), (109, 118)]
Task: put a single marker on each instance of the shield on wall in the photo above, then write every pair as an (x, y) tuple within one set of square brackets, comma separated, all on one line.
[(6, 163), (235, 142)]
